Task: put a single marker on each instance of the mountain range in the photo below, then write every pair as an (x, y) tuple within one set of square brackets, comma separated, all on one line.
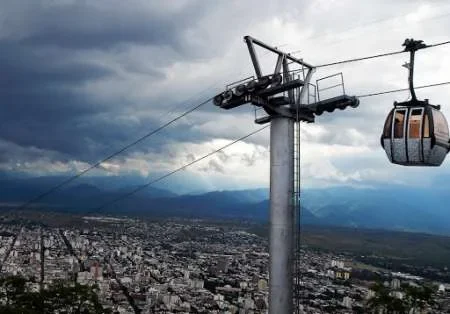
[(389, 207)]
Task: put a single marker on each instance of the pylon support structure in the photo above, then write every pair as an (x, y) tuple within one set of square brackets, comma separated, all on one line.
[(284, 95), (281, 246)]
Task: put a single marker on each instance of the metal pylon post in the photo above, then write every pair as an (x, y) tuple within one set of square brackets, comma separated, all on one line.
[(281, 215)]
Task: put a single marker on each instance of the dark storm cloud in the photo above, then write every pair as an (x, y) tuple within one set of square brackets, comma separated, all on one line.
[(99, 24), (38, 104), (51, 52), (81, 79), (43, 72)]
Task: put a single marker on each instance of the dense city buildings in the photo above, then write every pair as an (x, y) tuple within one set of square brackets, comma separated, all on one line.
[(186, 266)]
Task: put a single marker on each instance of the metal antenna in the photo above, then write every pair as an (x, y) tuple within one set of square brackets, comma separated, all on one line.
[(284, 98)]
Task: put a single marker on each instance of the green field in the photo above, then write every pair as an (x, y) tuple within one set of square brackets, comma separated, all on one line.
[(380, 247)]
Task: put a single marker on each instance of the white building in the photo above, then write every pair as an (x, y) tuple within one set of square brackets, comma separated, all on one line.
[(347, 302)]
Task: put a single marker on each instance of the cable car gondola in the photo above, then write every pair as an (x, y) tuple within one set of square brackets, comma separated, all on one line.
[(415, 132)]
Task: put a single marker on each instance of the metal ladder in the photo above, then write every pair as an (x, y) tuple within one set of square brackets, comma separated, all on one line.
[(296, 221), (296, 197)]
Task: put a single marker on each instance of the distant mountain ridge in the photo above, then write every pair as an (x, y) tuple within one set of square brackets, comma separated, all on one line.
[(389, 207)]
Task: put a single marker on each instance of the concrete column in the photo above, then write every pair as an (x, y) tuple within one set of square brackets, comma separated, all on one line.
[(281, 215)]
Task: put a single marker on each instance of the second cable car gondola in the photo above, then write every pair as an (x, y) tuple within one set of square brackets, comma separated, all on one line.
[(416, 135), (415, 132)]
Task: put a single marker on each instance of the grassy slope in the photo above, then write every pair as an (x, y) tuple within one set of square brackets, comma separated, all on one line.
[(403, 247)]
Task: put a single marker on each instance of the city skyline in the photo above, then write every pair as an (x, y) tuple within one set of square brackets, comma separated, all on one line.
[(199, 266)]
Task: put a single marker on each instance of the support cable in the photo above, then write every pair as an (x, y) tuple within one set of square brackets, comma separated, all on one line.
[(97, 164), (375, 56), (360, 59), (370, 23), (402, 90), (109, 157), (378, 55), (141, 187)]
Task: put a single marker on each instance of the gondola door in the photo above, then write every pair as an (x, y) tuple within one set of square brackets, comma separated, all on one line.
[(399, 136), (414, 136)]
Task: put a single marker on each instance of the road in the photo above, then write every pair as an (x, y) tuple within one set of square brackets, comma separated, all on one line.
[(10, 248)]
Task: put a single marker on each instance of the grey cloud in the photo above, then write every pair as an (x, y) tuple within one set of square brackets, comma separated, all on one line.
[(222, 156), (43, 71), (22, 68), (213, 166), (190, 157), (14, 157), (249, 160), (53, 54), (47, 51), (99, 24)]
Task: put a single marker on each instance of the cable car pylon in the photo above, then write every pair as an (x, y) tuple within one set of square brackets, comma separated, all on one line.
[(286, 99)]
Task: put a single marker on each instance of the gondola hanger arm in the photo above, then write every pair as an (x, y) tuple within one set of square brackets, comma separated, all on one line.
[(412, 46)]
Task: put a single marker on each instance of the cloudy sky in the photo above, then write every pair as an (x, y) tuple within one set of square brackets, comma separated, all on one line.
[(80, 79)]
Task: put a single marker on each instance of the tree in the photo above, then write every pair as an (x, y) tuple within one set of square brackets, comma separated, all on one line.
[(418, 297), (384, 300), (60, 297)]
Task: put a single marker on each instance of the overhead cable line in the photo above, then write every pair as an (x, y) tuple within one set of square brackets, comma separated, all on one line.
[(438, 44), (370, 23), (142, 138), (141, 187), (97, 164), (422, 21), (238, 140), (360, 59), (402, 89), (377, 56), (109, 157), (374, 56)]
